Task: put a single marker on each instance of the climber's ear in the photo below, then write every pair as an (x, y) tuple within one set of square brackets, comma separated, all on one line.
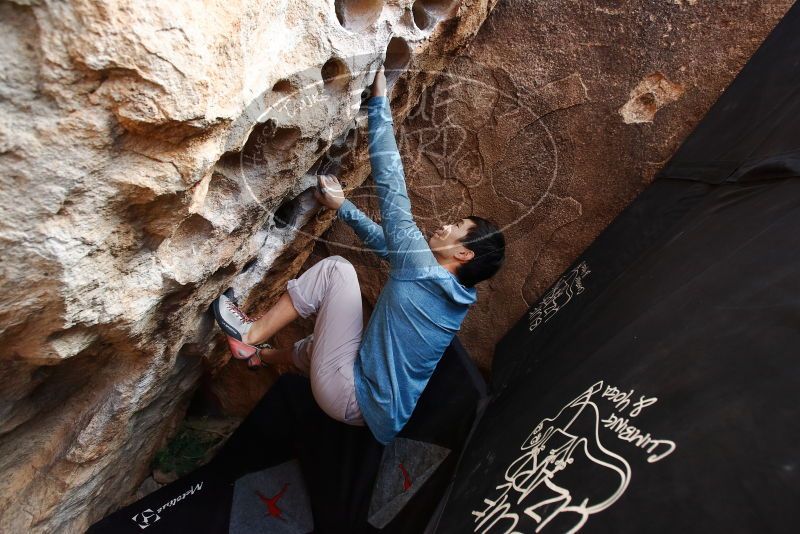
[(464, 254)]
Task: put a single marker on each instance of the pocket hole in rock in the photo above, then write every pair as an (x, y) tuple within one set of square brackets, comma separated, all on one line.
[(441, 9), (398, 56), (193, 230), (187, 248), (358, 14), (250, 264), (292, 212), (283, 86), (267, 139), (328, 165), (283, 138), (338, 155), (335, 74), (365, 94), (154, 221), (286, 214), (345, 144), (222, 195), (422, 19)]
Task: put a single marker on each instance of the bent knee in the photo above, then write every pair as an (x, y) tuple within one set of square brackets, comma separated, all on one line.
[(338, 260), (342, 265)]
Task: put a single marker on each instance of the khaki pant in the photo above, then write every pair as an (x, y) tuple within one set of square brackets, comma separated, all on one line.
[(330, 291)]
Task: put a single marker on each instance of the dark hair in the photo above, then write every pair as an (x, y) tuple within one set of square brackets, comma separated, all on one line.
[(487, 242)]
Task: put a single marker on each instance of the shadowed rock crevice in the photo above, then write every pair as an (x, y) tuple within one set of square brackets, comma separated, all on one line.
[(293, 212), (398, 57), (49, 389), (23, 379)]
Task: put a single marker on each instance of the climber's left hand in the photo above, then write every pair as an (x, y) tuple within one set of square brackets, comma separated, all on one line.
[(379, 84)]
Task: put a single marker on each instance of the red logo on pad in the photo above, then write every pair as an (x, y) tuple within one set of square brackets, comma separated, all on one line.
[(406, 478), (272, 502)]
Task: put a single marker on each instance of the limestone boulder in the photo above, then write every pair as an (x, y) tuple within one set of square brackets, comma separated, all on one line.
[(146, 151)]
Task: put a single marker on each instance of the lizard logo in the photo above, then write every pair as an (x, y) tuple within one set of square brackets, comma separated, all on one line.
[(272, 502), (406, 478)]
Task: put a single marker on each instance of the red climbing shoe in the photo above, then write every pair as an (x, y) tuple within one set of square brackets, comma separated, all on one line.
[(243, 351)]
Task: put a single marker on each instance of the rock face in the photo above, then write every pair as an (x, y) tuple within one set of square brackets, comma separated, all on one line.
[(146, 148), (555, 117)]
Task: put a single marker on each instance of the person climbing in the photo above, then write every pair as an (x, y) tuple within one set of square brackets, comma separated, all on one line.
[(375, 379)]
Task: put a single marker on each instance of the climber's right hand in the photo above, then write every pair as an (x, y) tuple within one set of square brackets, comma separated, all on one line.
[(379, 84), (329, 191)]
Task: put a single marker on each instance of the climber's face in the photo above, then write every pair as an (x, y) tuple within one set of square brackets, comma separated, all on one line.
[(445, 242)]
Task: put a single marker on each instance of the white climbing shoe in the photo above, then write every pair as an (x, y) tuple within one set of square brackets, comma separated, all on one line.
[(233, 321)]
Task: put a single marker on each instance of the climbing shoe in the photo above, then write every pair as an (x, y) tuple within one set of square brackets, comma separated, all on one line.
[(243, 351), (233, 321), (240, 350)]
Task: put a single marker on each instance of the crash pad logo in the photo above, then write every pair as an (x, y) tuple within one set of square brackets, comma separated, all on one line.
[(273, 510), (147, 517), (406, 465), (565, 472), (272, 501), (559, 296), (406, 478)]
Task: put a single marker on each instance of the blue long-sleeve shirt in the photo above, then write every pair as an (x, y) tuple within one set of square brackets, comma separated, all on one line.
[(420, 308)]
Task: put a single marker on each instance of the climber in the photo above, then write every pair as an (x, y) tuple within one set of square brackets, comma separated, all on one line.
[(375, 379)]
